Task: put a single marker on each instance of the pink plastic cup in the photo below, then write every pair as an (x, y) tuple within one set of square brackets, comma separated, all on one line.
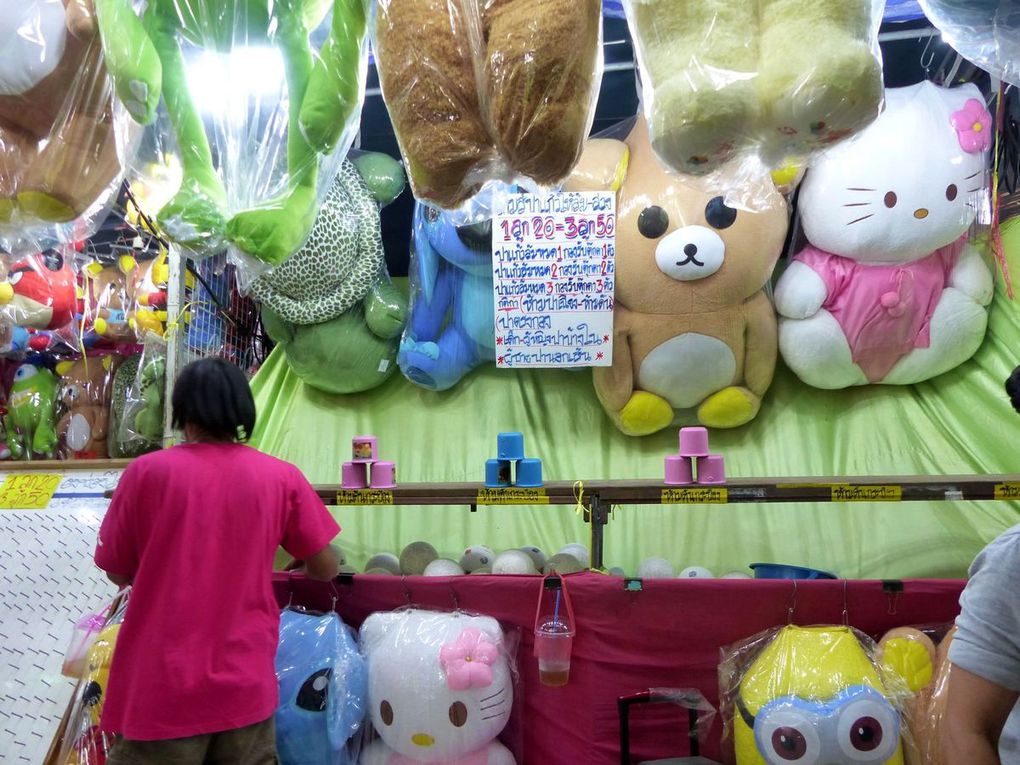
[(678, 470), (711, 469), (553, 643), (354, 475), (693, 442), (384, 475)]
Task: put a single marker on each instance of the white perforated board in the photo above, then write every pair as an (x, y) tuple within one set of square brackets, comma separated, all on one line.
[(47, 581)]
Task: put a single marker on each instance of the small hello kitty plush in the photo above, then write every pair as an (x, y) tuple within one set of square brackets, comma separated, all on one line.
[(439, 688), (888, 289)]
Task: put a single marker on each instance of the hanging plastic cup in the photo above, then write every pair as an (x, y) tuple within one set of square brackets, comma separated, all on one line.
[(554, 633)]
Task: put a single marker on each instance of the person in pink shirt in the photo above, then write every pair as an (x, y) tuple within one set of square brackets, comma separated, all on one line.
[(195, 529)]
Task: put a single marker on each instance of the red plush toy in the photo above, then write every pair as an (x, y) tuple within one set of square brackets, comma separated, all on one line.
[(39, 292)]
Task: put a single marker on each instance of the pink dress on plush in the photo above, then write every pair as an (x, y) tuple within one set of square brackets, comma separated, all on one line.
[(884, 310)]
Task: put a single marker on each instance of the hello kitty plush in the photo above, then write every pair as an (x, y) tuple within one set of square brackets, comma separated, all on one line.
[(439, 688), (888, 289)]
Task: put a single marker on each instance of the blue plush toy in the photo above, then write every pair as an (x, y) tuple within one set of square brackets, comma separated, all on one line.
[(451, 326), (323, 689)]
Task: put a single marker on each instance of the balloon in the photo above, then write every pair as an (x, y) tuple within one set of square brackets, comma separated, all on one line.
[(985, 32)]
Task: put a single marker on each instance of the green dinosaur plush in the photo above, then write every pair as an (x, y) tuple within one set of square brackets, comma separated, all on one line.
[(148, 418), (122, 443), (31, 413), (143, 56), (331, 305)]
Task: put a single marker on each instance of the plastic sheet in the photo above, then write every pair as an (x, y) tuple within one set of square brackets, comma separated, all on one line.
[(985, 32), (86, 630), (323, 690), (440, 688), (84, 743), (38, 301), (332, 305), (109, 288), (83, 406), (892, 285), (262, 101), (816, 694), (141, 424), (780, 78), (485, 90), (63, 142), (450, 329)]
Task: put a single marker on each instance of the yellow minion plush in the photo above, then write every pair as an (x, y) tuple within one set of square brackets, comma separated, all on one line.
[(814, 695), (88, 746)]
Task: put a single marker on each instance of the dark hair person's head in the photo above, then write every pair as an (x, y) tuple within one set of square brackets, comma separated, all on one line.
[(212, 396), (1013, 388)]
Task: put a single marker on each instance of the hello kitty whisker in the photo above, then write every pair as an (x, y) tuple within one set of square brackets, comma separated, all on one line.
[(857, 204), (979, 188), (872, 215), (972, 175), (499, 703), (493, 717), (487, 698), (852, 188)]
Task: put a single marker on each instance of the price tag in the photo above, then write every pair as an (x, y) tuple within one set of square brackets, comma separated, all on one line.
[(1007, 491), (846, 492), (512, 496), (695, 495), (364, 497), (28, 491), (554, 276)]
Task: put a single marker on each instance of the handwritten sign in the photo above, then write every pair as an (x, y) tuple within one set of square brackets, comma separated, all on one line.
[(1007, 491), (845, 492), (698, 495), (554, 275), (28, 491), (364, 497), (512, 496)]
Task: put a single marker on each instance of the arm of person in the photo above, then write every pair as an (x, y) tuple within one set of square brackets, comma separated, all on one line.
[(976, 711), (117, 545), (308, 531)]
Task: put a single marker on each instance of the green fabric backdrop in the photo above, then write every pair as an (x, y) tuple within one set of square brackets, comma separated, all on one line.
[(959, 423)]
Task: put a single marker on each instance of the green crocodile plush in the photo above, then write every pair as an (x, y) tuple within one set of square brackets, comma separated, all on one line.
[(331, 305), (31, 413), (143, 56)]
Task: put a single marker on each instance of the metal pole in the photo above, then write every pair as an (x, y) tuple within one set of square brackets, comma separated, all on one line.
[(175, 341)]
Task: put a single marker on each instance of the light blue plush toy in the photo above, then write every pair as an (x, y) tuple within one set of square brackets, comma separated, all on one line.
[(323, 690), (451, 327)]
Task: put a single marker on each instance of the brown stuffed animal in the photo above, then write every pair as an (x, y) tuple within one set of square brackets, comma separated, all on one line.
[(110, 297), (86, 387), (473, 84), (693, 327), (57, 146)]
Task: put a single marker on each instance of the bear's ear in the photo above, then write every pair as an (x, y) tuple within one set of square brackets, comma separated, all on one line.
[(602, 167)]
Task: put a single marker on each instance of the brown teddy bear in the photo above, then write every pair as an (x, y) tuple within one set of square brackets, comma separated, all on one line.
[(58, 150), (475, 88), (86, 388), (693, 326)]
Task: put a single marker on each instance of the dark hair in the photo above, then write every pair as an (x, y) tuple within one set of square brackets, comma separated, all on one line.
[(213, 395), (1013, 388)]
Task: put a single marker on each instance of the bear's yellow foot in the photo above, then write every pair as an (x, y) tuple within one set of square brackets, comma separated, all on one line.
[(7, 209), (729, 408), (41, 205), (644, 414)]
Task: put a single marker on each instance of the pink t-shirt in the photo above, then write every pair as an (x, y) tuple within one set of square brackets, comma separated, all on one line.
[(884, 310), (197, 528)]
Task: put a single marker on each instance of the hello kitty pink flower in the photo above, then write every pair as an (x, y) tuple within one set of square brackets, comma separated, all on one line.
[(973, 126), (467, 661)]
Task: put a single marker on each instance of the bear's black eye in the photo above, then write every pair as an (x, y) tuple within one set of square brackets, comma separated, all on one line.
[(314, 690), (718, 214), (652, 222), (431, 214)]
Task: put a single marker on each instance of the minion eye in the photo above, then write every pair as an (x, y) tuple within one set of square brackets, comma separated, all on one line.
[(787, 736), (868, 731)]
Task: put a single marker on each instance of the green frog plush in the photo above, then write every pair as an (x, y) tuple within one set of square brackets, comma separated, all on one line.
[(31, 413), (324, 91)]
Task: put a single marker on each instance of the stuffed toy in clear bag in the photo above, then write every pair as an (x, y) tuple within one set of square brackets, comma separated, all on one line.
[(323, 690)]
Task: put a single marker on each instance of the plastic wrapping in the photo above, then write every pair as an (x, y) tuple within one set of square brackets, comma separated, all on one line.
[(38, 301), (440, 688), (63, 142), (811, 694), (148, 310), (985, 32), (450, 329), (331, 305), (483, 90), (695, 330), (780, 78), (109, 287), (262, 101), (140, 426), (83, 742), (86, 630), (83, 406), (323, 690), (892, 286)]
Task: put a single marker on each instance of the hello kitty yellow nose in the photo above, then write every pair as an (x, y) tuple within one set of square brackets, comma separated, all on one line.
[(422, 739), (921, 213)]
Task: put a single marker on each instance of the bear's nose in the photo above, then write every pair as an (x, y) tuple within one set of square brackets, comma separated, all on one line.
[(921, 213), (690, 253)]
